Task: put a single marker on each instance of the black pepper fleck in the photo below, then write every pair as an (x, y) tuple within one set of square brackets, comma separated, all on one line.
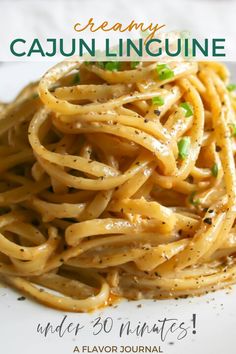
[(22, 298), (157, 112), (207, 221)]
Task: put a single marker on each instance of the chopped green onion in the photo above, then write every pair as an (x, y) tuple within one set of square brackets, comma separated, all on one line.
[(183, 147), (101, 64), (76, 79), (233, 129), (112, 65), (158, 101), (134, 64), (35, 95), (214, 170), (231, 87), (164, 72), (193, 201), (161, 66), (188, 109), (145, 33)]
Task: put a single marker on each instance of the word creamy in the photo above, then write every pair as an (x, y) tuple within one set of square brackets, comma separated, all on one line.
[(118, 27)]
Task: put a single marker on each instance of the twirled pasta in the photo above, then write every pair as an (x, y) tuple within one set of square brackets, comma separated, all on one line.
[(119, 182)]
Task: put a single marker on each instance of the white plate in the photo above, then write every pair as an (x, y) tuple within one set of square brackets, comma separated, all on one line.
[(215, 312)]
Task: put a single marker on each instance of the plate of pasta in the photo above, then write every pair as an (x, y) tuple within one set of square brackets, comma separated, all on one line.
[(118, 182)]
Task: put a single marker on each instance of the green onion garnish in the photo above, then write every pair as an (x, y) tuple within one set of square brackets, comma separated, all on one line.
[(35, 95), (183, 147), (158, 101), (214, 170), (134, 64), (164, 72), (145, 33), (101, 64), (76, 79), (231, 87), (112, 65), (233, 129), (188, 109), (193, 201)]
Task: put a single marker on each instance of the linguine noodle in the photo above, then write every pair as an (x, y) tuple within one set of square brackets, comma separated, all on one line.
[(119, 181)]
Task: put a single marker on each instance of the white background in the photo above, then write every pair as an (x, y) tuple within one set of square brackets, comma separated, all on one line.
[(55, 19)]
